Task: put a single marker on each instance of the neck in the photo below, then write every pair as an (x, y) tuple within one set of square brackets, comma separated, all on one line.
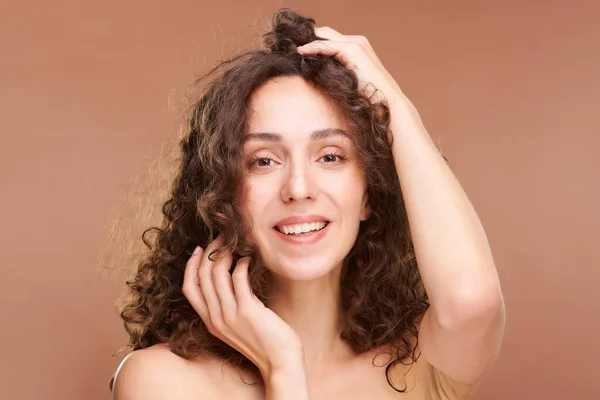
[(312, 309)]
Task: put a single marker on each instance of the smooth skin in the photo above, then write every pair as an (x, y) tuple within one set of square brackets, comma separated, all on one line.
[(295, 342)]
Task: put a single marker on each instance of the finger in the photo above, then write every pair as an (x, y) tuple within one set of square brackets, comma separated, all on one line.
[(191, 289), (206, 284), (333, 48), (224, 287), (327, 32), (241, 281), (325, 47)]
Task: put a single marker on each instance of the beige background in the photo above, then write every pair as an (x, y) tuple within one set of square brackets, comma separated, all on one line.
[(510, 88)]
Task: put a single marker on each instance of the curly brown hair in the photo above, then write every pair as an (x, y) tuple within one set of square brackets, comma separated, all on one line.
[(382, 292)]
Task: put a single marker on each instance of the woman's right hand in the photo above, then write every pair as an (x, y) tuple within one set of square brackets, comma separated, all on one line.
[(232, 313)]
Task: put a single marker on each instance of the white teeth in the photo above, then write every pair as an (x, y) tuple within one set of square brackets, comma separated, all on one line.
[(302, 228)]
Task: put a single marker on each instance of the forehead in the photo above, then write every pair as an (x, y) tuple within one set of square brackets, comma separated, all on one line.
[(290, 106)]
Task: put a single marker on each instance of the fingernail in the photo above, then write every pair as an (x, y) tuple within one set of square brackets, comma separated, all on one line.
[(196, 251)]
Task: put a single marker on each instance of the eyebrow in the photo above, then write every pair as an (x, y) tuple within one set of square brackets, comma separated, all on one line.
[(315, 135)]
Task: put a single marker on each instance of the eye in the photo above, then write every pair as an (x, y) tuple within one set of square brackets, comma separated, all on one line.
[(332, 158), (261, 162)]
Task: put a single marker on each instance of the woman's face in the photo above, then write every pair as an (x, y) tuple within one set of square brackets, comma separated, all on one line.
[(304, 191)]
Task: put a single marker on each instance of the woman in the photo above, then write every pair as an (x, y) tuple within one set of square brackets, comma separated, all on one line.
[(286, 268)]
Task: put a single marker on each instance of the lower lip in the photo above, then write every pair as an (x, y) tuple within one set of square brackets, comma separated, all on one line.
[(306, 238)]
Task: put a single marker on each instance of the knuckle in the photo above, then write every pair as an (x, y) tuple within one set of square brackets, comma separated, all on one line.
[(236, 275), (210, 253), (211, 330), (188, 289), (237, 268), (185, 290), (243, 311), (363, 40), (229, 319), (214, 245), (238, 271), (218, 326)]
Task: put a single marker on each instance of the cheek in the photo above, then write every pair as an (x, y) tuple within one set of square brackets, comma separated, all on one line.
[(246, 205), (350, 192), (253, 195), (254, 201)]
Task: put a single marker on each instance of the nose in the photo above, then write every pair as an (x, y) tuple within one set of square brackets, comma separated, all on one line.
[(298, 185)]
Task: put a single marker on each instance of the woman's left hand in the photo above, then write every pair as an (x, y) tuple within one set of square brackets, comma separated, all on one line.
[(355, 52)]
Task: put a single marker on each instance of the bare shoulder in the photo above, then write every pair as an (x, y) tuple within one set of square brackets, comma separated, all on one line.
[(156, 373)]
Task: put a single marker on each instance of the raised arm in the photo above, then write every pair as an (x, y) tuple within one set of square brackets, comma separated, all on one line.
[(461, 332)]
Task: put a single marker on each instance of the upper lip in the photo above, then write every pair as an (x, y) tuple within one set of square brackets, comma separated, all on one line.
[(301, 219)]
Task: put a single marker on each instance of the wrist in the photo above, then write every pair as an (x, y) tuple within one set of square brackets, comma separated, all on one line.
[(290, 365), (286, 383), (404, 116)]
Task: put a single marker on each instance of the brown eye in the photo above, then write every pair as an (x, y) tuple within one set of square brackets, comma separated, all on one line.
[(332, 158), (261, 162)]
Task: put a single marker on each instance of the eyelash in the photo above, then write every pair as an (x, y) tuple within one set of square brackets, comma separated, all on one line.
[(339, 156)]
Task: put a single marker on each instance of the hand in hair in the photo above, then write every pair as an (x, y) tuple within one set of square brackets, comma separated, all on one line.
[(355, 53), (232, 313)]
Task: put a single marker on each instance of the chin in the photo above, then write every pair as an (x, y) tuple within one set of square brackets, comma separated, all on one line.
[(307, 269)]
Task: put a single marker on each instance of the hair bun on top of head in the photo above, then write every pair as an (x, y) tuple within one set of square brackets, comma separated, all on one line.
[(290, 30)]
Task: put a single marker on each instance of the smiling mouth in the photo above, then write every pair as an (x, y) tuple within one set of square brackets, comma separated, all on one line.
[(302, 229)]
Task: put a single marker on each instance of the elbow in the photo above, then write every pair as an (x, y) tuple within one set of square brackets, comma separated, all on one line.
[(471, 303)]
